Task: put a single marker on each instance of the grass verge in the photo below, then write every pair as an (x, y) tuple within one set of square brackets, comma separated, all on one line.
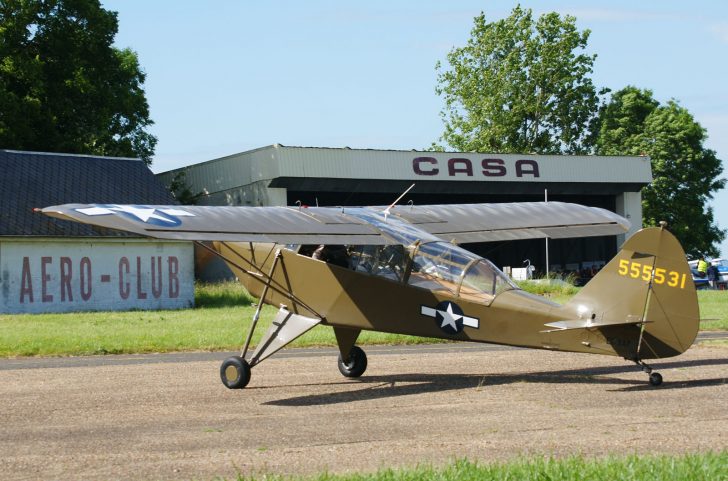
[(713, 310), (219, 323), (689, 467)]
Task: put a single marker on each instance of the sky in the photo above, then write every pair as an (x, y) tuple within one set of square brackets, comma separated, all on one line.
[(228, 76)]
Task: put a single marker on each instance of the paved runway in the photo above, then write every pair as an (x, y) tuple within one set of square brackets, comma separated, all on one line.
[(169, 417)]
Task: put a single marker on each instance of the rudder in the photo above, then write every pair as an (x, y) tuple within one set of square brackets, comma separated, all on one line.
[(644, 298)]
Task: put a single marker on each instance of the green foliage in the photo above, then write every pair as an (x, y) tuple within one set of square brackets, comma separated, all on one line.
[(685, 173), (519, 85), (64, 87), (622, 118), (688, 467), (181, 190), (549, 287)]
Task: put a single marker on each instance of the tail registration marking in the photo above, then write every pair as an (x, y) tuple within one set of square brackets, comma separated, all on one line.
[(659, 275)]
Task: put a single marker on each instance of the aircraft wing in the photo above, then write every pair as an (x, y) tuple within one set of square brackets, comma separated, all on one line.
[(466, 223), (358, 226), (282, 225)]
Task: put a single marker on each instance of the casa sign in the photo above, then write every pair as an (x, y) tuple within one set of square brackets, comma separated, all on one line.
[(459, 167), (57, 276)]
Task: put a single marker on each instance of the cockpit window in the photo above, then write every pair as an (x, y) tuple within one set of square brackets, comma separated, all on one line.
[(483, 277), (443, 266), (387, 261), (437, 266)]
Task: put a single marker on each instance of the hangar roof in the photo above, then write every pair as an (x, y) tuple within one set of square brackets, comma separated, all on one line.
[(286, 166), (34, 179)]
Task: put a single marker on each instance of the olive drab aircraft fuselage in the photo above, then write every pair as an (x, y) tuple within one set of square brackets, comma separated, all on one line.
[(401, 270)]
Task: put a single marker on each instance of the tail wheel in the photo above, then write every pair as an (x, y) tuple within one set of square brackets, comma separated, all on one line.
[(235, 372), (355, 365), (655, 378)]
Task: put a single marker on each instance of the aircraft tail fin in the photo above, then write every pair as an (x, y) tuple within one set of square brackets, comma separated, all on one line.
[(643, 301)]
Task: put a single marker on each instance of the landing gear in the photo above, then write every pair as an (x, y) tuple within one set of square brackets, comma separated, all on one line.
[(235, 372), (355, 365), (655, 377)]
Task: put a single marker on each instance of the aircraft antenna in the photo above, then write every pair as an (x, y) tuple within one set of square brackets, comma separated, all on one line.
[(387, 210)]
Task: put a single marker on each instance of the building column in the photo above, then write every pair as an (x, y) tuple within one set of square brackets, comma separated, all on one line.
[(629, 205)]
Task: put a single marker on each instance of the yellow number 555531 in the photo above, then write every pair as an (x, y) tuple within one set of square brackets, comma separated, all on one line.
[(646, 272)]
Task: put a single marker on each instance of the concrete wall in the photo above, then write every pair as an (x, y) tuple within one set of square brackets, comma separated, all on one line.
[(629, 205), (61, 275)]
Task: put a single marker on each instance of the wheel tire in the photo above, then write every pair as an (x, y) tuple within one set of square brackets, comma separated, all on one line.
[(655, 379), (235, 372), (355, 365)]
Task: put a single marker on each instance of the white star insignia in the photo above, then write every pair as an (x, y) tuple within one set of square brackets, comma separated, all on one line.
[(177, 212), (95, 211), (141, 213), (449, 318)]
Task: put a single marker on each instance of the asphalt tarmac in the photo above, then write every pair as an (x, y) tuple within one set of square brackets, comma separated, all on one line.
[(169, 417)]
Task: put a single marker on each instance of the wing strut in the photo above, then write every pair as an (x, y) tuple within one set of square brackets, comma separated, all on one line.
[(285, 328), (273, 285), (256, 316)]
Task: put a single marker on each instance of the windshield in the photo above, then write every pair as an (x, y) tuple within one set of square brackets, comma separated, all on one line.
[(444, 266), (484, 277), (435, 265)]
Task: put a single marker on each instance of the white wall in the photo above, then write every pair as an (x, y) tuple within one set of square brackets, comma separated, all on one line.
[(629, 205), (60, 275)]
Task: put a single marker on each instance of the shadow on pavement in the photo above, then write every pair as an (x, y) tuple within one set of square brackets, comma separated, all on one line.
[(390, 386)]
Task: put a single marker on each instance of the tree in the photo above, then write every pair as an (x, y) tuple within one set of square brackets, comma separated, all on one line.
[(64, 87), (182, 191), (685, 173), (520, 86)]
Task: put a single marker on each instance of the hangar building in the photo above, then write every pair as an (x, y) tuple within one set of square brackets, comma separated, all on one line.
[(281, 175)]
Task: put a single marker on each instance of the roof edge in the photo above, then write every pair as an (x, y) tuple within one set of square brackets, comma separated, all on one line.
[(62, 154)]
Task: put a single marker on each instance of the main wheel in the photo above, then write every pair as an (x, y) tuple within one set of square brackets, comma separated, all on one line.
[(655, 379), (355, 365), (235, 372)]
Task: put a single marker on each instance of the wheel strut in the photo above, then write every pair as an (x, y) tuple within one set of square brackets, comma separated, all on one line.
[(655, 377)]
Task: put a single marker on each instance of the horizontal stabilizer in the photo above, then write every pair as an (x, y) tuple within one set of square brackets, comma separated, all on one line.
[(590, 324)]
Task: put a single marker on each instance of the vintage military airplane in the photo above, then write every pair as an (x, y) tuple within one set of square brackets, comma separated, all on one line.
[(400, 270)]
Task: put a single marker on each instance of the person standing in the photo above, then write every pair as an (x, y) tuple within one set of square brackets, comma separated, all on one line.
[(702, 267)]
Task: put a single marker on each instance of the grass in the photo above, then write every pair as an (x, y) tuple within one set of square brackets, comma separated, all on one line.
[(689, 467), (218, 323), (557, 291), (713, 309)]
